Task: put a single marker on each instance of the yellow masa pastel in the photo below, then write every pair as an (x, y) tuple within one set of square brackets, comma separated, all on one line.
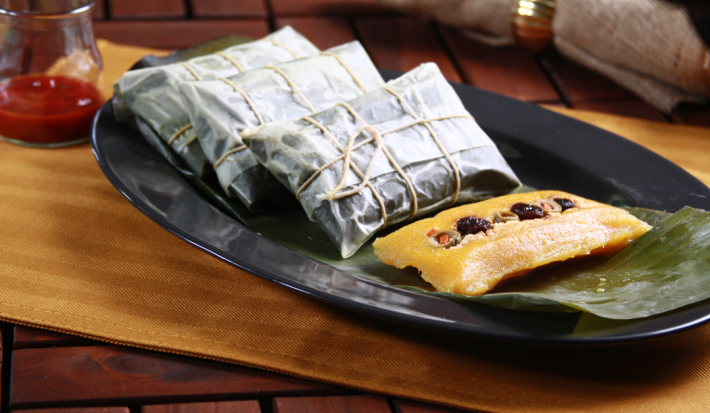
[(514, 234)]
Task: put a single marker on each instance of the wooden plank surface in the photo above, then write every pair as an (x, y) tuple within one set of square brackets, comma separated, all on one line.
[(324, 32), (229, 8), (506, 70), (87, 373), (244, 406), (25, 337), (177, 34), (77, 410), (403, 43), (406, 406), (346, 404), (580, 84), (98, 12), (325, 7), (70, 376), (142, 9), (635, 108)]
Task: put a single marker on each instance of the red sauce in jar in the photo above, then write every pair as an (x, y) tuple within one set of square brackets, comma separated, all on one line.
[(43, 109)]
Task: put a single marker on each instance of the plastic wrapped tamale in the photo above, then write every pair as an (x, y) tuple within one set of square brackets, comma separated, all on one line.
[(220, 109), (152, 94), (400, 151)]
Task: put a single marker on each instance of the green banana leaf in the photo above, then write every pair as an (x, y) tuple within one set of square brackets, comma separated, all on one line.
[(667, 268)]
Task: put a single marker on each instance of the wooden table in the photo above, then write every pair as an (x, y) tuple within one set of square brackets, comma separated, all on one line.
[(109, 379)]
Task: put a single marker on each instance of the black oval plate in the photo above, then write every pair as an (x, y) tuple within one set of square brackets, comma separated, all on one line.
[(545, 149)]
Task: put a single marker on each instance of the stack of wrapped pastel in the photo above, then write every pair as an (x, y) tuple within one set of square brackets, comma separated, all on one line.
[(359, 154), (152, 95), (220, 109)]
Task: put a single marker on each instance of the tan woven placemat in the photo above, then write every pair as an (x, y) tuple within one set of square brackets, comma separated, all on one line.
[(77, 257)]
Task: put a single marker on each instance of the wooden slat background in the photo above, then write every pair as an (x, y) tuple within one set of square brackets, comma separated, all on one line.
[(93, 375), (43, 371), (243, 406), (505, 70), (394, 41), (55, 373)]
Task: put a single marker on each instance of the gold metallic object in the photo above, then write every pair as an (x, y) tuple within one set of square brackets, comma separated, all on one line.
[(532, 23)]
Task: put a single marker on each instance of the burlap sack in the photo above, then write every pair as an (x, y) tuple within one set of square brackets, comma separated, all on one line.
[(648, 46)]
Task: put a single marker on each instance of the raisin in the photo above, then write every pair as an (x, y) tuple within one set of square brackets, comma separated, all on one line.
[(565, 203), (527, 211), (472, 225)]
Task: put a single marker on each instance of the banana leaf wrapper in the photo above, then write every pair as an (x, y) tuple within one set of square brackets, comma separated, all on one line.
[(300, 154), (152, 94), (664, 270), (219, 112)]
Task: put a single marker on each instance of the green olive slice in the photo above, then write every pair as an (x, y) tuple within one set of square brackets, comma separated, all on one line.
[(454, 238), (549, 205), (506, 216)]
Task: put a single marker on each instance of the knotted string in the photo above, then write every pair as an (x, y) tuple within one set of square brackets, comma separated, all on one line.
[(292, 85), (392, 161), (350, 72), (362, 176), (443, 150), (239, 148), (275, 43), (178, 133), (192, 71), (256, 112), (334, 193), (251, 104), (376, 136), (231, 60), (246, 97)]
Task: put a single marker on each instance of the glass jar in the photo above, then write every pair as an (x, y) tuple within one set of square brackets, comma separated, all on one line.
[(49, 69)]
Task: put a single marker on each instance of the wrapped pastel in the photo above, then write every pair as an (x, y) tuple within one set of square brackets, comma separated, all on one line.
[(220, 109), (152, 93), (406, 149)]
